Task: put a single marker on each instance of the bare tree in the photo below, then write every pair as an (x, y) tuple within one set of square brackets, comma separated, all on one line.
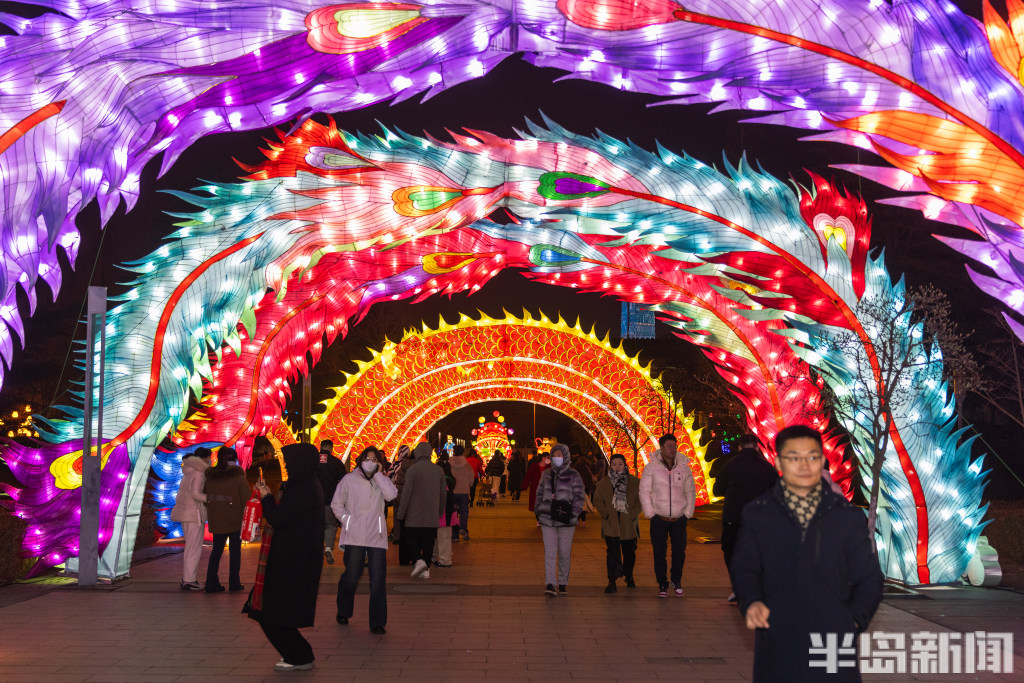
[(622, 430), (883, 376), (1002, 384)]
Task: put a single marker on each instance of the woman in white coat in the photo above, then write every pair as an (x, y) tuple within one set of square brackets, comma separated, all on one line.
[(359, 504), (190, 510)]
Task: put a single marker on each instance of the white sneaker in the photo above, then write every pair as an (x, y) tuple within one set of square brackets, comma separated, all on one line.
[(418, 568), (425, 574)]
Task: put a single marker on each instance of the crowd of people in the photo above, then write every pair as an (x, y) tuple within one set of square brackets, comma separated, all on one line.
[(772, 518)]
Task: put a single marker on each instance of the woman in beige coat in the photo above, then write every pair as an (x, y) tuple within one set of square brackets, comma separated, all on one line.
[(190, 510), (617, 499)]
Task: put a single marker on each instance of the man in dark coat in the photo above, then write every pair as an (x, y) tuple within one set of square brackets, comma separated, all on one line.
[(743, 478), (804, 569), (292, 576), (329, 472), (421, 508)]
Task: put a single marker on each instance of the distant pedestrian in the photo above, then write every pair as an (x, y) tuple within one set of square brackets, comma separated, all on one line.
[(190, 511), (405, 461), (559, 503), (473, 458), (582, 464), (744, 477), (329, 473), (283, 599), (421, 506), (532, 479), (516, 474), (359, 504), (598, 465), (617, 500), (496, 470), (464, 477), (227, 492), (442, 555), (668, 495), (804, 567)]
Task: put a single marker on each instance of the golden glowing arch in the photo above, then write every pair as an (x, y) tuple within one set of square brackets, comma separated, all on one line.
[(407, 386)]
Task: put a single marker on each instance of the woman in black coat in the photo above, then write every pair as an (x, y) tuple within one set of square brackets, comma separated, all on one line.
[(292, 576)]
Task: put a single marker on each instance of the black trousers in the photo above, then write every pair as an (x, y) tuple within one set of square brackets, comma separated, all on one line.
[(420, 541), (403, 543), (293, 648), (730, 532), (661, 531), (620, 556), (355, 557), (234, 560)]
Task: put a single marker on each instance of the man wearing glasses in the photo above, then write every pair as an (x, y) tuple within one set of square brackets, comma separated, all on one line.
[(804, 564)]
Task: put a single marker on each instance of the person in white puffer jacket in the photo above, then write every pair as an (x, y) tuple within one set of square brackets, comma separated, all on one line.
[(668, 496), (359, 504)]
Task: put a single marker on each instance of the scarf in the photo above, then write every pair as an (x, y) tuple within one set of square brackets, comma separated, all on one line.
[(618, 490), (802, 507)]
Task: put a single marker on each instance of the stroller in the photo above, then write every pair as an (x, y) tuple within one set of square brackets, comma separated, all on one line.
[(483, 492)]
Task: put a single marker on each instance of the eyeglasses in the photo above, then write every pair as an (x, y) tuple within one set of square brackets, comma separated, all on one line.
[(805, 460)]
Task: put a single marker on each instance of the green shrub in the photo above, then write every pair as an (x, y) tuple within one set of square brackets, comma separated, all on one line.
[(1006, 531)]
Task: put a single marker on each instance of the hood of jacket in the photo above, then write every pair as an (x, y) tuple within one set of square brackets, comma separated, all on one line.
[(301, 460), (196, 464), (423, 451), (225, 473)]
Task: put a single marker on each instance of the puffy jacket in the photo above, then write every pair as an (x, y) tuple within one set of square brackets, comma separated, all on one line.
[(559, 484), (668, 493), (190, 501), (359, 504)]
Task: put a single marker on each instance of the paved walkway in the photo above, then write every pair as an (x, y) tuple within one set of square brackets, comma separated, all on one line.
[(484, 619)]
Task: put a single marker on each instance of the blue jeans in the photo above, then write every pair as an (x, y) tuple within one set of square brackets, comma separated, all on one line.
[(355, 558)]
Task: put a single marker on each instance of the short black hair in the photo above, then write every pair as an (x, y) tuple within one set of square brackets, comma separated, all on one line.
[(618, 456), (665, 438), (458, 449), (797, 432), (748, 441)]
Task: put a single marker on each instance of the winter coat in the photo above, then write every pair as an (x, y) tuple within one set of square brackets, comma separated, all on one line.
[(582, 465), (821, 584), (668, 493), (615, 524), (425, 492), (228, 492), (403, 471), (744, 477), (329, 473), (190, 501), (532, 481), (496, 466), (296, 547), (449, 500), (559, 484), (477, 464), (359, 504), (463, 473), (516, 473)]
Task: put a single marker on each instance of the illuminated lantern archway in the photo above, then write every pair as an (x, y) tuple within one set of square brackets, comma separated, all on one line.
[(407, 386), (749, 268)]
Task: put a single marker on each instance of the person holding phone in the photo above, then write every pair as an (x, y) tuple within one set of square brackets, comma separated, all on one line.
[(560, 496)]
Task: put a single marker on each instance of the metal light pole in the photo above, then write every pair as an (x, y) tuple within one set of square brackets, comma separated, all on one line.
[(92, 443)]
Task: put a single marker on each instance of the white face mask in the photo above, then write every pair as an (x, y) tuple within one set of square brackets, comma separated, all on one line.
[(369, 466), (557, 461)]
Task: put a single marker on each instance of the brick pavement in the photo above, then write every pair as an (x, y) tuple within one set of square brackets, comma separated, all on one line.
[(484, 619)]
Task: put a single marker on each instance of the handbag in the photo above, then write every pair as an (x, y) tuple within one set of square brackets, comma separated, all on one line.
[(561, 510)]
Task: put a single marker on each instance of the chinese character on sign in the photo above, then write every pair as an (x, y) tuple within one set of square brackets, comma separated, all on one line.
[(992, 652), (883, 653), (935, 653), (835, 655)]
